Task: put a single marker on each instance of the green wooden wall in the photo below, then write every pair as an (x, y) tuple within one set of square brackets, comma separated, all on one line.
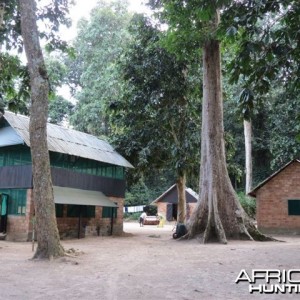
[(20, 155)]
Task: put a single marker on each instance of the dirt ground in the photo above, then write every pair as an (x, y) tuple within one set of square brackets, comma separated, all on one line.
[(146, 264)]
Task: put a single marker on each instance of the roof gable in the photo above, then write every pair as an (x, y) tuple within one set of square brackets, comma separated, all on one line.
[(191, 197), (8, 137), (254, 191), (69, 141)]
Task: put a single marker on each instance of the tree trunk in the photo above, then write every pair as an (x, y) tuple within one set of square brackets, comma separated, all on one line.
[(248, 154), (181, 208), (2, 12), (218, 214), (46, 226)]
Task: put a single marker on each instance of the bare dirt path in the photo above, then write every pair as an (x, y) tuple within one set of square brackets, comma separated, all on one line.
[(147, 264)]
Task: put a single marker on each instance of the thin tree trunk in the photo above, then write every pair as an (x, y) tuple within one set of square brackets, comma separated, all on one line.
[(46, 226), (2, 12), (248, 154), (181, 208)]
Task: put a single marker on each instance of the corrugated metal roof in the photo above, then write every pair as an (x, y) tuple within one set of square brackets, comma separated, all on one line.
[(64, 195), (69, 141), (163, 194), (192, 193), (188, 190)]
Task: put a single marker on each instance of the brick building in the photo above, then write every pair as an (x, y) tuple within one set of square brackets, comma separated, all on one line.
[(167, 203), (88, 178), (278, 201)]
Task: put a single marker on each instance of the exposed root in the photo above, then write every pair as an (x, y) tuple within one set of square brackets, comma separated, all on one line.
[(70, 255), (73, 253), (260, 237), (184, 237)]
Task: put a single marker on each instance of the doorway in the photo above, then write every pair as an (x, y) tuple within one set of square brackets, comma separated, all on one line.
[(171, 214), (3, 212)]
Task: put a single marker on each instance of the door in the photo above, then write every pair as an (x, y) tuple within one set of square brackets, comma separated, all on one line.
[(169, 213), (3, 212), (174, 211)]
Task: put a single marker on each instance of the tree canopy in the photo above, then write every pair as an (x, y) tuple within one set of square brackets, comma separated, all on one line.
[(14, 77), (156, 103), (99, 44), (156, 121)]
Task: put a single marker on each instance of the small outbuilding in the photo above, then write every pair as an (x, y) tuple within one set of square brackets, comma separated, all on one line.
[(88, 178), (278, 201), (167, 203)]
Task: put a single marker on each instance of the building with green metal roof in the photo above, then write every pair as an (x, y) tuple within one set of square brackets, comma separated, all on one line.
[(88, 178)]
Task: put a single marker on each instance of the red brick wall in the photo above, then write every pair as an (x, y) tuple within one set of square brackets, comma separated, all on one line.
[(162, 209), (68, 227), (19, 228), (272, 202)]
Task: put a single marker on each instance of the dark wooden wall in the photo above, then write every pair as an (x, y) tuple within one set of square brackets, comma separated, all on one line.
[(21, 177), (16, 177), (109, 186)]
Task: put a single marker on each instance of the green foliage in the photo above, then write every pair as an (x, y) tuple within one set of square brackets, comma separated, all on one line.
[(15, 90), (138, 194), (99, 44), (234, 169), (248, 204), (151, 210), (267, 46), (188, 22), (132, 216), (54, 13), (14, 77), (246, 103), (263, 39), (283, 127), (156, 122), (59, 110), (298, 129), (56, 70), (146, 189), (14, 84), (10, 31)]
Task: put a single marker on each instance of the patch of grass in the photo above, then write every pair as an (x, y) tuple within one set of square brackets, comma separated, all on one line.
[(248, 204), (132, 216)]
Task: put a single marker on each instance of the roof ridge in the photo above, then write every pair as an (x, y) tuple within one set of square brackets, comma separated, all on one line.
[(69, 141)]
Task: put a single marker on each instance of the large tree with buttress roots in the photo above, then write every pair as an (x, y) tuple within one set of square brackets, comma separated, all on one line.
[(218, 215)]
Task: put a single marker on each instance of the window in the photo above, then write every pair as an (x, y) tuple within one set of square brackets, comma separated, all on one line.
[(87, 211), (16, 204), (294, 207), (84, 165), (108, 212), (15, 155)]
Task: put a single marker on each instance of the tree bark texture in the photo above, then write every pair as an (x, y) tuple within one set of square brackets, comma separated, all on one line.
[(248, 154), (46, 227), (218, 214), (2, 11), (181, 208)]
